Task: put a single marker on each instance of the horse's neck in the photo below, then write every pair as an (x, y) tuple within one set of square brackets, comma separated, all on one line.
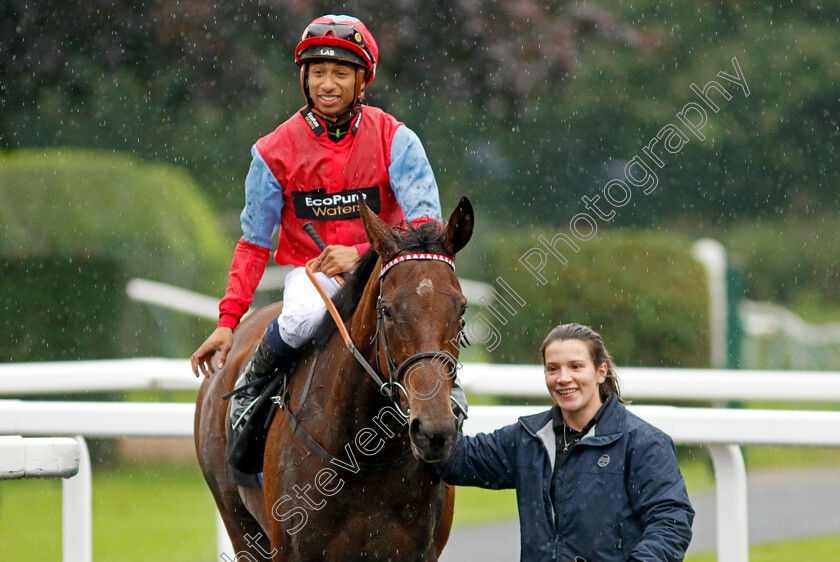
[(354, 395), (363, 322)]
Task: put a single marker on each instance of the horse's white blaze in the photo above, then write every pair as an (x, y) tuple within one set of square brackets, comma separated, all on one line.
[(425, 287)]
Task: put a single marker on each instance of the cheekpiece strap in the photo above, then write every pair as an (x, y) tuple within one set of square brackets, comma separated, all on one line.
[(408, 257)]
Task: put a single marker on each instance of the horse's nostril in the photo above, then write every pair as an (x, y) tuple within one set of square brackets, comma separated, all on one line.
[(451, 425), (428, 434), (417, 432)]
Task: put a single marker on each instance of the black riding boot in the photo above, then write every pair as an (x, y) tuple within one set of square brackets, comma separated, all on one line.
[(246, 440), (251, 382)]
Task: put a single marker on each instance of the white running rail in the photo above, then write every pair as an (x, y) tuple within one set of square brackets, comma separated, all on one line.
[(526, 381), (722, 430), (38, 457), (57, 457)]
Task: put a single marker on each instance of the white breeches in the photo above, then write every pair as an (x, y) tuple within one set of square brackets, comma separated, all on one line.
[(303, 307)]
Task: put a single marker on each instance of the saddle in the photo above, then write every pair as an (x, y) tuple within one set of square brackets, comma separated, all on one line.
[(245, 454)]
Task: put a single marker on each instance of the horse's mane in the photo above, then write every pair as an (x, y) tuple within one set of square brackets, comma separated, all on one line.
[(427, 237)]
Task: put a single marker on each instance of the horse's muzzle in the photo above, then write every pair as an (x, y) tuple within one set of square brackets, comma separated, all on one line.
[(432, 441)]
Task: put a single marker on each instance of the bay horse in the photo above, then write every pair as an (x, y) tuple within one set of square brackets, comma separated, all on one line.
[(348, 470)]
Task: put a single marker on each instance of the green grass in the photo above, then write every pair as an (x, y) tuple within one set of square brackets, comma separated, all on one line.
[(140, 513), (157, 511), (790, 457), (30, 520), (147, 512), (823, 549), (474, 506)]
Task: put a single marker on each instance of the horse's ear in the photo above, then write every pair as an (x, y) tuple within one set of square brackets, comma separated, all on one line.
[(380, 235), (459, 229)]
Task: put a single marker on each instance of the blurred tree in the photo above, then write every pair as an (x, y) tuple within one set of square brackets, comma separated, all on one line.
[(494, 55), (208, 52), (75, 226), (772, 152), (524, 105), (541, 98), (163, 78), (201, 48)]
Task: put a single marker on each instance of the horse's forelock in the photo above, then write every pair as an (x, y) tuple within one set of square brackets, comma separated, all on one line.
[(426, 237)]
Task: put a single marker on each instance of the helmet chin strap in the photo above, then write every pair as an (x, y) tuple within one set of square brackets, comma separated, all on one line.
[(338, 119)]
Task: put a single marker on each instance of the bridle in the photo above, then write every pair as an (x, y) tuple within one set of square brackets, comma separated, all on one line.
[(396, 373), (391, 387)]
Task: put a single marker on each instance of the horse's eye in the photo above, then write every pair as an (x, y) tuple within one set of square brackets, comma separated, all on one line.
[(386, 312), (461, 315)]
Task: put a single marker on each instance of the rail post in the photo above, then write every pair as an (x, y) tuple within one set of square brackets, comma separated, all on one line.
[(733, 543), (76, 511)]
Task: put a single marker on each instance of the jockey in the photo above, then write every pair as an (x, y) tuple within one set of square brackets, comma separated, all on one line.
[(314, 167)]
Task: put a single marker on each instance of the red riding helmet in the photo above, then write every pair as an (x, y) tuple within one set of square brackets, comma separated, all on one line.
[(341, 38)]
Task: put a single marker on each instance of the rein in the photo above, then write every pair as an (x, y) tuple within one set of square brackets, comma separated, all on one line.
[(392, 386)]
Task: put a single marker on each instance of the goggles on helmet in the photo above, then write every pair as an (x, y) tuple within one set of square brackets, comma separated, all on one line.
[(340, 41), (337, 30), (340, 38)]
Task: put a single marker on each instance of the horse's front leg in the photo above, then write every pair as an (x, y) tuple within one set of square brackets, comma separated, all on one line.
[(284, 518)]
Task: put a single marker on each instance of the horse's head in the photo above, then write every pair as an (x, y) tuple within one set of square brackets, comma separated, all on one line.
[(420, 316)]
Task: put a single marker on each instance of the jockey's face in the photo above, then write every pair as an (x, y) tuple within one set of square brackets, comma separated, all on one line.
[(332, 87)]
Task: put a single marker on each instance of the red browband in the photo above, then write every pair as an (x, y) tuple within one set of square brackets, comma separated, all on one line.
[(407, 257)]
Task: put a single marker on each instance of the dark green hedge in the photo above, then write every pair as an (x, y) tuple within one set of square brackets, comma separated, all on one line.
[(48, 314), (149, 218), (75, 226), (642, 290), (789, 259)]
